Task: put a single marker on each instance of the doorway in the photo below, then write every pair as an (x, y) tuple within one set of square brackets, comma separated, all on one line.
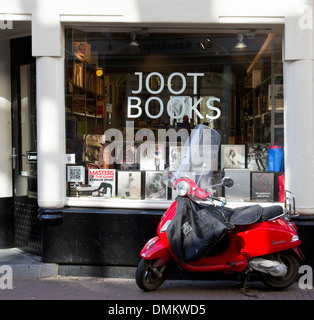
[(24, 146)]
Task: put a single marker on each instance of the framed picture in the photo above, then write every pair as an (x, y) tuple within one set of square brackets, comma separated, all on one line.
[(257, 155), (155, 188), (232, 156), (129, 184)]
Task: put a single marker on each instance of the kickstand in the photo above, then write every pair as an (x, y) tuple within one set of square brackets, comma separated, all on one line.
[(244, 289)]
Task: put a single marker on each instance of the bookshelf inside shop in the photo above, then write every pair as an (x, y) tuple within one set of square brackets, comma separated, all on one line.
[(262, 105), (87, 99)]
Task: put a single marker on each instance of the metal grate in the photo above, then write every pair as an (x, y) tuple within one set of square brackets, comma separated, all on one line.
[(27, 225)]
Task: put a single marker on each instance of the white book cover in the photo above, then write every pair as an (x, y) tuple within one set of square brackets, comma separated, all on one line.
[(155, 188), (152, 157), (129, 184)]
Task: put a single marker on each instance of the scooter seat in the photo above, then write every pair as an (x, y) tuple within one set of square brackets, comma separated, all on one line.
[(243, 215), (272, 212)]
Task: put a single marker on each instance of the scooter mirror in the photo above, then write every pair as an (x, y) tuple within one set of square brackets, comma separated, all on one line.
[(227, 182)]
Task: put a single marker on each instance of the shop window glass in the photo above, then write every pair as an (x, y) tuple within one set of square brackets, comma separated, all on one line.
[(133, 95)]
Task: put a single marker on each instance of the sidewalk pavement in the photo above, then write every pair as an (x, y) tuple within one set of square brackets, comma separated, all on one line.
[(34, 280), (25, 265)]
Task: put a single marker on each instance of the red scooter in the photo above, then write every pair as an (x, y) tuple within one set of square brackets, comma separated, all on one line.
[(202, 236)]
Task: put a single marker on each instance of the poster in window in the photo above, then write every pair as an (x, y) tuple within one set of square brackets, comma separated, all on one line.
[(257, 155), (232, 156), (152, 156), (93, 150), (129, 184), (102, 182), (155, 188)]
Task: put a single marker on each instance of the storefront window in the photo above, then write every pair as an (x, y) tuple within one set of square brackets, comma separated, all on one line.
[(133, 95)]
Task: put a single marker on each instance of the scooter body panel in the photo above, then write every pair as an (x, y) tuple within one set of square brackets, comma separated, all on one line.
[(155, 249), (267, 237)]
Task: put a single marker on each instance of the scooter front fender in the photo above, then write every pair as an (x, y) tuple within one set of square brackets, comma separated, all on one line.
[(155, 249)]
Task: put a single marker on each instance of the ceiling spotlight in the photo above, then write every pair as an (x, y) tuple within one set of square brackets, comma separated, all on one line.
[(240, 44), (133, 42)]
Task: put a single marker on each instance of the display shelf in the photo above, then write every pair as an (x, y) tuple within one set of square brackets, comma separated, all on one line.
[(261, 107)]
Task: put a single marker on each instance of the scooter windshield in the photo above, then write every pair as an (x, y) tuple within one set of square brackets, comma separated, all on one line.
[(196, 159)]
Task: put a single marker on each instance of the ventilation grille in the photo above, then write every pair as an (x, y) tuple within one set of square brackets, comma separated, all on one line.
[(27, 229)]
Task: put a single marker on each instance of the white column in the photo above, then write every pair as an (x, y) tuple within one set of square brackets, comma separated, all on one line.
[(50, 131), (299, 107), (299, 132)]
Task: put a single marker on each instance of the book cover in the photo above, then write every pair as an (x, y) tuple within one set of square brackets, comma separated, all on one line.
[(240, 191), (257, 155), (78, 74), (129, 184), (152, 157), (155, 188), (263, 186), (80, 50), (102, 182), (232, 156), (79, 102)]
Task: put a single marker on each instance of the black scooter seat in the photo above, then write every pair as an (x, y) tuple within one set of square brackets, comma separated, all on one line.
[(272, 212), (243, 215), (251, 214)]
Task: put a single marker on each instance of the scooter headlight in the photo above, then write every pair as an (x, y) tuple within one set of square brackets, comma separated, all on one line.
[(183, 188)]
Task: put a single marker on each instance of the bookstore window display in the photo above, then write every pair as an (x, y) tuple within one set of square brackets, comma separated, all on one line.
[(130, 109)]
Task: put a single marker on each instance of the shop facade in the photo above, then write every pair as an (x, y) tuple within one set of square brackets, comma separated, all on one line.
[(101, 98)]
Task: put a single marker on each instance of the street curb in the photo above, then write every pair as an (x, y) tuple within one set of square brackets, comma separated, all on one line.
[(25, 265)]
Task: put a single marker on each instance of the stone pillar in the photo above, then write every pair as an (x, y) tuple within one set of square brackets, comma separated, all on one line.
[(299, 108), (50, 131)]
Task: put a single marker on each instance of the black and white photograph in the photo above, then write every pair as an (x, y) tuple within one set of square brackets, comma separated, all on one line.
[(155, 188), (257, 157), (129, 184), (232, 156), (152, 157)]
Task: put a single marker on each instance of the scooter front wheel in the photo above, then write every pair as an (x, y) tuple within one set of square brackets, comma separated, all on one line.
[(148, 277)]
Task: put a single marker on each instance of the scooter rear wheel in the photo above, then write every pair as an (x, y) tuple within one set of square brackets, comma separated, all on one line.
[(146, 278), (292, 264)]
